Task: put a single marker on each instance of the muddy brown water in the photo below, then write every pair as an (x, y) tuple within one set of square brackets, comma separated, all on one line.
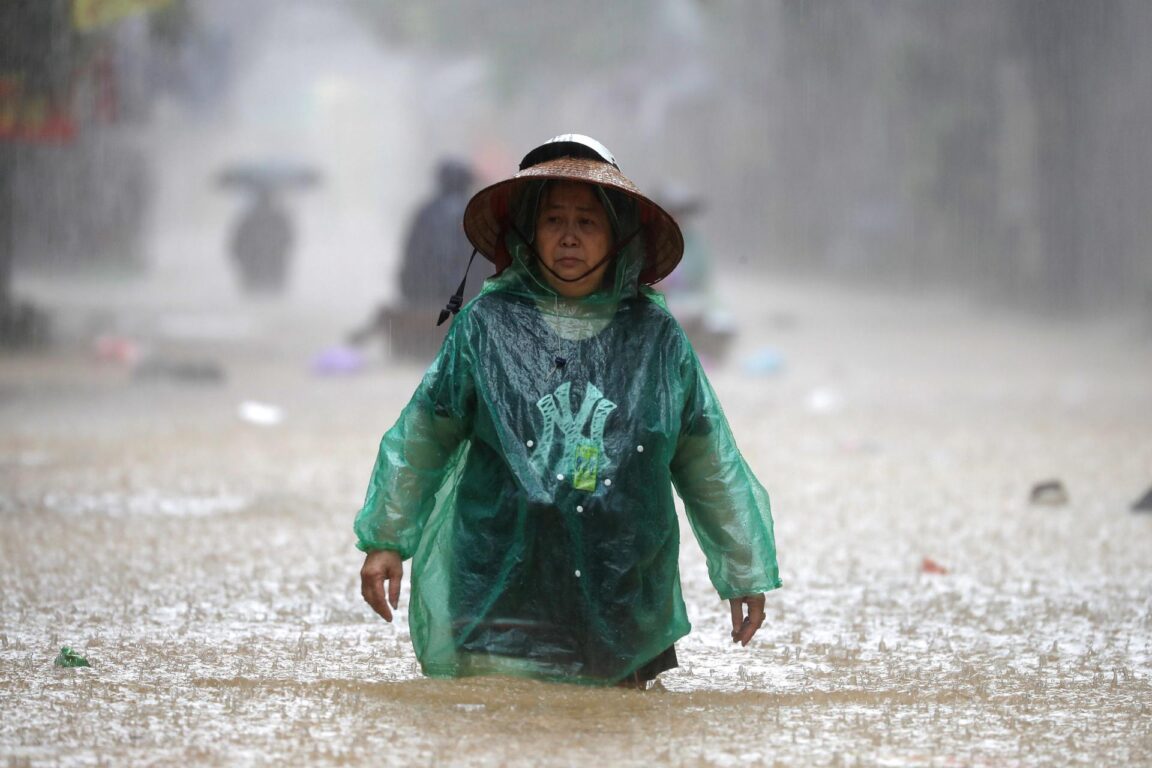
[(204, 563)]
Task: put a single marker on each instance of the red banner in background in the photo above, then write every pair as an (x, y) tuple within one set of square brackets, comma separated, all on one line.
[(32, 117)]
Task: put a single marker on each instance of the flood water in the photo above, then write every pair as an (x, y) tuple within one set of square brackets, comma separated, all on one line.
[(204, 562)]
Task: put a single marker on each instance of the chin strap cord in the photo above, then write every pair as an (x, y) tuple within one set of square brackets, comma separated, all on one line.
[(457, 300)]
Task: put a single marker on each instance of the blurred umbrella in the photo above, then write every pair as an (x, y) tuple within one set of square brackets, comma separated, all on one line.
[(269, 176)]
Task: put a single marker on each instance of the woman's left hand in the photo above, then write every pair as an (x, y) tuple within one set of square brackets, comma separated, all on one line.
[(747, 617)]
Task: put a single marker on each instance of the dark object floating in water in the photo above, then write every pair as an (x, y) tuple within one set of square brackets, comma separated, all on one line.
[(1050, 493), (191, 371), (1145, 504)]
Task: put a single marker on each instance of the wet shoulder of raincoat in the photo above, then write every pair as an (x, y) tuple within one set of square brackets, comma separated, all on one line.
[(512, 501)]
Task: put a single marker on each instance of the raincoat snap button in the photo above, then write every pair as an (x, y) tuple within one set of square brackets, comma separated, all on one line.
[(639, 449), (580, 509), (577, 573), (607, 482), (529, 443), (559, 477)]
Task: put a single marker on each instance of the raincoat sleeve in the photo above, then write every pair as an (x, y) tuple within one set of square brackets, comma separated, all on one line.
[(417, 453), (726, 506)]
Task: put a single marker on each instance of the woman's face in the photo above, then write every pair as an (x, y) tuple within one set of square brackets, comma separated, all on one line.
[(573, 235)]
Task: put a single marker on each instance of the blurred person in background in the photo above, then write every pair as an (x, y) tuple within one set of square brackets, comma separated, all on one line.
[(429, 270), (261, 246), (690, 290), (530, 477), (436, 241)]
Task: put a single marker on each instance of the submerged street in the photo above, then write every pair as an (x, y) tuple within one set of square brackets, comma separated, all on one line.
[(191, 537)]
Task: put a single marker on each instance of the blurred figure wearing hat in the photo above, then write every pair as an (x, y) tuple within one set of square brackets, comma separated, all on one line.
[(530, 477)]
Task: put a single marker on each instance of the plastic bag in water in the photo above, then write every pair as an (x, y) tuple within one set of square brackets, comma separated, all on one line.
[(69, 658)]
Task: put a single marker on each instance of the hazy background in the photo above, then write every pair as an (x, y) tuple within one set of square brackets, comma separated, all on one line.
[(930, 222), (997, 149)]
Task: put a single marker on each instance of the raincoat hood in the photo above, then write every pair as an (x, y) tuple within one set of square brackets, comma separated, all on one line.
[(524, 275)]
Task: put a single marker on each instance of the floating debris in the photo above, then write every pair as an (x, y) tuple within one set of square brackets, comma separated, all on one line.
[(928, 565), (824, 400), (1049, 493), (262, 414), (335, 361), (1144, 504), (69, 658), (764, 361), (191, 371), (117, 349)]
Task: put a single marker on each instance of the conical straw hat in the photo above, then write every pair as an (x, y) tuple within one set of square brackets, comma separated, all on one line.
[(571, 157)]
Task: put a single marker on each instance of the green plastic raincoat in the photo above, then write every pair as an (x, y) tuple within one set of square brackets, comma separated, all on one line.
[(530, 479)]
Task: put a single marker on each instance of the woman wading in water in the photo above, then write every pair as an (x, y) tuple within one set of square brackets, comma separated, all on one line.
[(530, 477)]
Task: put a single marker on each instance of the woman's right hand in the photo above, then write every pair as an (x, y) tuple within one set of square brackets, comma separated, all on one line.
[(747, 617), (382, 566)]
